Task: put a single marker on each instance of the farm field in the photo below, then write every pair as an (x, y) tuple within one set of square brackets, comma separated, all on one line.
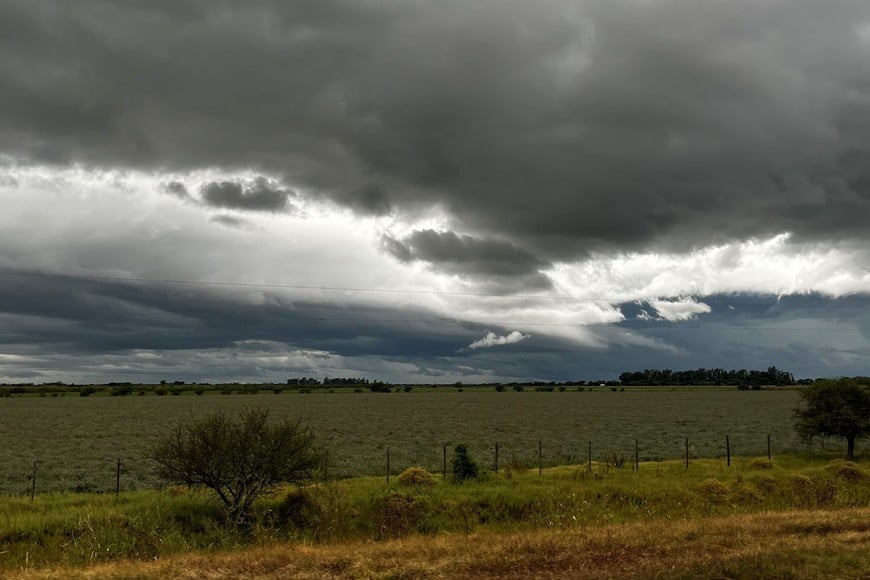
[(76, 441)]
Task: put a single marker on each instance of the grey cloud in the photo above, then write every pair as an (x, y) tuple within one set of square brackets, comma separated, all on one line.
[(113, 331), (8, 181), (469, 256), (177, 189), (230, 221), (259, 195), (567, 126)]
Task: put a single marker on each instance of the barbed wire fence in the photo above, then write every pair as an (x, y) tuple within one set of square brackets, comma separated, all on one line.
[(118, 474)]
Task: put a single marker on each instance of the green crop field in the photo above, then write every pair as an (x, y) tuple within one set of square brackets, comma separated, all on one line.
[(76, 441)]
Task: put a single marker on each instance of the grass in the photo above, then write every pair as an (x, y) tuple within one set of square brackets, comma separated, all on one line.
[(627, 522), (819, 543), (76, 441)]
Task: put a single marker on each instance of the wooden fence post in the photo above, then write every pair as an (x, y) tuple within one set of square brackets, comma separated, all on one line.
[(768, 447), (444, 461), (590, 456), (33, 482), (728, 450), (388, 465), (540, 457), (636, 456), (118, 477), (687, 453), (496, 456)]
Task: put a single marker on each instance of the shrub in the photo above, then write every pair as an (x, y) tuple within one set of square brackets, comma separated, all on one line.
[(847, 471), (160, 392), (396, 515), (713, 490), (462, 466), (199, 392), (617, 460), (240, 458), (519, 388), (416, 477), (499, 388)]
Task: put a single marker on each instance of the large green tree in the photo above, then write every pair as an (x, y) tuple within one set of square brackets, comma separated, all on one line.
[(835, 407)]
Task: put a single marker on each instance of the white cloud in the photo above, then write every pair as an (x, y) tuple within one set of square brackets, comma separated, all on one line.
[(681, 309), (491, 339)]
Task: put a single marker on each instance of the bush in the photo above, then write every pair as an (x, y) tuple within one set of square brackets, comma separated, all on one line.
[(462, 466), (617, 460), (396, 515), (240, 458), (499, 388), (416, 477), (519, 388)]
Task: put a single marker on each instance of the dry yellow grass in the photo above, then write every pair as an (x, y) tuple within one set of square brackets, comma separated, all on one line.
[(788, 544)]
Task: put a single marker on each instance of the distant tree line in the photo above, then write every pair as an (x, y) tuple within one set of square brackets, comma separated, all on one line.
[(327, 381), (717, 376)]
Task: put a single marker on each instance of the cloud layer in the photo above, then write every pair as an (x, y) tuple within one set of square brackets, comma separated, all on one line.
[(383, 183), (566, 127)]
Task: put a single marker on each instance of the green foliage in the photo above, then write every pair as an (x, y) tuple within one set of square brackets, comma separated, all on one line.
[(839, 408), (239, 457), (462, 466)]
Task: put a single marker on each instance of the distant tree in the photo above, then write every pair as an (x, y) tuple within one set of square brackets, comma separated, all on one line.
[(239, 457), (835, 407)]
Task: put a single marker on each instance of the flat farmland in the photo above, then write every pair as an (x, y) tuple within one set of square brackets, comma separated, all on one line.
[(76, 441)]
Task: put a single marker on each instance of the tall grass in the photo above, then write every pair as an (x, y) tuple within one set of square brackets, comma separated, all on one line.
[(84, 529)]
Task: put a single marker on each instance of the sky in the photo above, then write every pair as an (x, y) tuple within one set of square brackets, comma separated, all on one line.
[(432, 191)]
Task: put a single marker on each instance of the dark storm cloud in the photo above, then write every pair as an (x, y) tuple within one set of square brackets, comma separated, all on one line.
[(259, 195), (50, 326), (469, 256), (567, 126), (43, 314)]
